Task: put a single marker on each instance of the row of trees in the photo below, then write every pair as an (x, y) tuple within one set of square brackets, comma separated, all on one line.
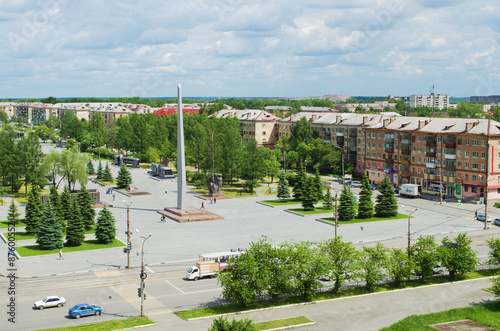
[(265, 271), (62, 216)]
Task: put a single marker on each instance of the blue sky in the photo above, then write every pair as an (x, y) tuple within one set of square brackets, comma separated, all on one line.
[(256, 48)]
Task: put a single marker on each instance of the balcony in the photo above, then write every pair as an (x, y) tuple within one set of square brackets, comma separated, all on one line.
[(340, 134), (405, 152), (353, 134), (328, 133), (389, 150), (430, 143), (339, 139), (450, 156), (450, 145), (405, 162), (430, 165), (450, 167), (430, 154), (405, 141), (340, 142)]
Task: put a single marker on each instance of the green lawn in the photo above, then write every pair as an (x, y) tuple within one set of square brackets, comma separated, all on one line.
[(366, 220), (317, 210), (287, 322), (35, 250), (5, 224), (21, 235), (282, 202), (349, 292), (108, 325), (487, 314)]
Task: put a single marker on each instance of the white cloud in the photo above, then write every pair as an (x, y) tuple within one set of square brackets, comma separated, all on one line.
[(241, 48)]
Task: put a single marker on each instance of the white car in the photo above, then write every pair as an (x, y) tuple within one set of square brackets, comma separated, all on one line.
[(51, 301), (356, 183)]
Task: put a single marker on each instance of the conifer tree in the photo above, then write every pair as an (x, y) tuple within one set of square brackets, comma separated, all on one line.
[(309, 197), (107, 176), (387, 205), (90, 167), (105, 231), (85, 202), (13, 215), (65, 205), (347, 204), (300, 184), (33, 212), (55, 202), (327, 200), (75, 229), (365, 207), (283, 188), (99, 171), (124, 178), (317, 186), (50, 234)]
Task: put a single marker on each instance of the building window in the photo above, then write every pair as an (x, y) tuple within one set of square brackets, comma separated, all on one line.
[(466, 188), (378, 174), (459, 176), (459, 164), (373, 174), (466, 165), (474, 166), (263, 125), (483, 143), (419, 160), (418, 170), (474, 190), (439, 140), (475, 142), (419, 138), (466, 142), (483, 155), (466, 153), (373, 164), (459, 153), (482, 166), (474, 177), (263, 133), (466, 177), (420, 149), (475, 154)]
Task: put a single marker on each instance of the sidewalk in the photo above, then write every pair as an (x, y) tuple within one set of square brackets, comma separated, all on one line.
[(366, 312)]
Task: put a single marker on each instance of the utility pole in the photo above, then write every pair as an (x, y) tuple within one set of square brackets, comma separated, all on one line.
[(441, 173), (486, 193), (129, 245), (143, 275), (336, 214), (409, 232)]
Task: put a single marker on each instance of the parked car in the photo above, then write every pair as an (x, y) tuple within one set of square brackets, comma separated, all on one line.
[(84, 310), (480, 217), (355, 183), (50, 301), (436, 270), (497, 221)]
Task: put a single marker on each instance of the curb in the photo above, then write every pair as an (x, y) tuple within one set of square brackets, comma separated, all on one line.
[(292, 326), (326, 222), (337, 299), (295, 213), (16, 254), (265, 204), (137, 327)]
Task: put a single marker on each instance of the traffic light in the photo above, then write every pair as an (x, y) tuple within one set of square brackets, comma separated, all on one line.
[(125, 250), (144, 295), (129, 246), (139, 292)]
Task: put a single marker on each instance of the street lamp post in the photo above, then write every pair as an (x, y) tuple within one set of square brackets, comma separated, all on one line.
[(128, 232), (409, 232), (485, 204), (143, 275)]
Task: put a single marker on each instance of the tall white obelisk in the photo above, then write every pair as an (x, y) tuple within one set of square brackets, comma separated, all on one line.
[(181, 163)]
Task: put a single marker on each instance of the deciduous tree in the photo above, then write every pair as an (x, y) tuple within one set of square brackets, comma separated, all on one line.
[(458, 256), (342, 261)]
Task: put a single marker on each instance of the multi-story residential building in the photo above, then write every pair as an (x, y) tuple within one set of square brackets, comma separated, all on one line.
[(255, 124), (432, 100), (495, 99), (8, 108), (377, 105)]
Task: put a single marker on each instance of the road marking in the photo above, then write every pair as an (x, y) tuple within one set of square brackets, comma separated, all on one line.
[(151, 271), (129, 293), (110, 273), (178, 289)]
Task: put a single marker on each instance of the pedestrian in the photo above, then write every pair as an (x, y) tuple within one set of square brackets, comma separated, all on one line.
[(210, 200), (60, 255), (215, 200), (475, 214), (203, 205), (113, 197)]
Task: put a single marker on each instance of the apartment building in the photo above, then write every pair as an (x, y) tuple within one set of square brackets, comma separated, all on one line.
[(8, 108), (377, 105), (494, 99), (255, 124), (432, 100)]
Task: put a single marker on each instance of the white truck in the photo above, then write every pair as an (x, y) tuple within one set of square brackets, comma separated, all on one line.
[(210, 264), (410, 190)]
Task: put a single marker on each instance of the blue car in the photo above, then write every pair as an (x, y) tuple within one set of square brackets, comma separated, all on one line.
[(84, 310)]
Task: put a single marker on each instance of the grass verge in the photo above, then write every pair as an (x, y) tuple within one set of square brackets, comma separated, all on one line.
[(282, 202), (21, 235), (233, 308), (317, 210), (5, 224), (35, 250), (486, 314), (108, 325), (287, 322), (367, 220)]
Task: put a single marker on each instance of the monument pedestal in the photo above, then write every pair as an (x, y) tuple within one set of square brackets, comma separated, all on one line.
[(189, 214)]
